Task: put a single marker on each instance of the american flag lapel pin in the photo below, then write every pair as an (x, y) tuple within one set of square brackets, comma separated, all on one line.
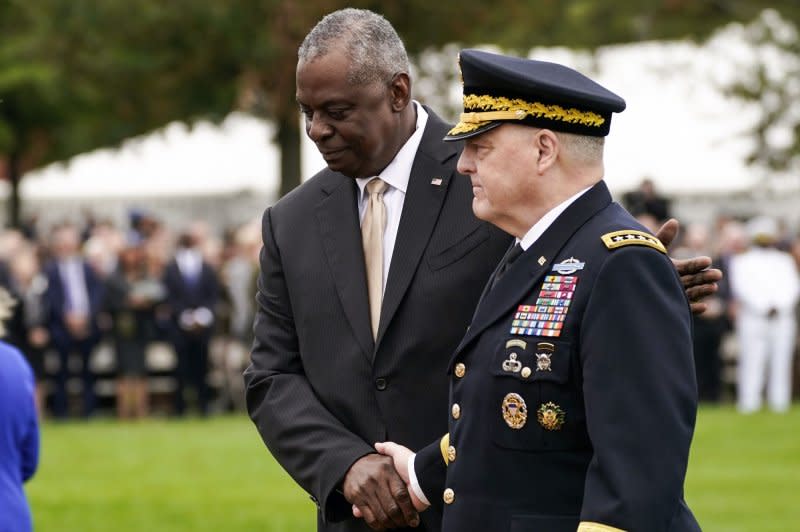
[(437, 181)]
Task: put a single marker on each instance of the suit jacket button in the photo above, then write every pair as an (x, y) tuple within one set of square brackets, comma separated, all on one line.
[(449, 496), (455, 410), (460, 369), (380, 384)]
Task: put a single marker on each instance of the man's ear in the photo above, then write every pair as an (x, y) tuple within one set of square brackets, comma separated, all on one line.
[(400, 90), (548, 146)]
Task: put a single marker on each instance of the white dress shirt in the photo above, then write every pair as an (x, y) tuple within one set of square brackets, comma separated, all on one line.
[(396, 175), (190, 263), (547, 220), (72, 277)]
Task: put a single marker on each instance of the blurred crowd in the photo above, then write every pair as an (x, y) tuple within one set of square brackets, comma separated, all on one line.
[(745, 344), (149, 319), (141, 318)]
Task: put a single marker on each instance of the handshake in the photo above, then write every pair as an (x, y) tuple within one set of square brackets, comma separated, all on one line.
[(379, 488)]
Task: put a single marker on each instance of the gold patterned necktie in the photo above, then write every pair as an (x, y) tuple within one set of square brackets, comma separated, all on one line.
[(372, 238)]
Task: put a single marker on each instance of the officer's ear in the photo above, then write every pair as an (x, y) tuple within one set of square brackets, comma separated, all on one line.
[(400, 91), (548, 145)]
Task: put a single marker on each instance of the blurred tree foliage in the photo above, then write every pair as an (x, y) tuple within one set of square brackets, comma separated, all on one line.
[(81, 74), (772, 81), (31, 98)]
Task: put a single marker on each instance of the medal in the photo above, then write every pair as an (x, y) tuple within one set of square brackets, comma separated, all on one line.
[(550, 416), (515, 411)]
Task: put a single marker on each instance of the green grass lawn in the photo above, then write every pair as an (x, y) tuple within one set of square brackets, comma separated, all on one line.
[(216, 475), (158, 476), (744, 471)]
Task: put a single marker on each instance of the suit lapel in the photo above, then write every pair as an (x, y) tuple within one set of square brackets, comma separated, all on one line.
[(423, 201), (337, 216), (526, 271)]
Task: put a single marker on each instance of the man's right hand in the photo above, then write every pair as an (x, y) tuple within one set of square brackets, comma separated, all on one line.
[(373, 486), (400, 456)]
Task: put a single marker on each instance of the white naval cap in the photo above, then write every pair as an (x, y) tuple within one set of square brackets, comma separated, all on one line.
[(762, 229)]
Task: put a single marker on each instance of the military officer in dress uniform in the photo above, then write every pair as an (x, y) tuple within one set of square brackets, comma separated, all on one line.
[(573, 395), (765, 286)]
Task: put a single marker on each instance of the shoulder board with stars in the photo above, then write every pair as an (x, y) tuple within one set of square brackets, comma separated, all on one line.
[(632, 237)]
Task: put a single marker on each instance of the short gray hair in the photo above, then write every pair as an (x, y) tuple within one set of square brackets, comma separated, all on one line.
[(587, 149), (372, 45)]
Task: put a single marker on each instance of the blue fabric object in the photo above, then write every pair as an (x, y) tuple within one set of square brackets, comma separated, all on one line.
[(19, 438)]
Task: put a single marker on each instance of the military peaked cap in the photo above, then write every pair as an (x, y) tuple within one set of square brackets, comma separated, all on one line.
[(500, 88)]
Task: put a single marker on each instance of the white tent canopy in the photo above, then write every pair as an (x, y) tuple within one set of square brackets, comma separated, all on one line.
[(678, 129), (205, 159)]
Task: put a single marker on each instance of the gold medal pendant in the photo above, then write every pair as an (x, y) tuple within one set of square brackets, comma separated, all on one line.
[(550, 416), (515, 411)]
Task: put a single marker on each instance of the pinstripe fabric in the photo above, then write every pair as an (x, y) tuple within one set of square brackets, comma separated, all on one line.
[(320, 390)]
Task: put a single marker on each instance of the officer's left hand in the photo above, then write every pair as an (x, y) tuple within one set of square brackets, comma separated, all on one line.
[(698, 278)]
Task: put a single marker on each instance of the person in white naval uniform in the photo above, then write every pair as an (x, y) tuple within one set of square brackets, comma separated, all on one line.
[(765, 286)]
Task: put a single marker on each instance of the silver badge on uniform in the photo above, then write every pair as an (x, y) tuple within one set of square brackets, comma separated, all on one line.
[(511, 364), (568, 266), (544, 350)]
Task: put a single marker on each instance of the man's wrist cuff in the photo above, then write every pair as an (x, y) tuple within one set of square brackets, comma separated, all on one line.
[(412, 480)]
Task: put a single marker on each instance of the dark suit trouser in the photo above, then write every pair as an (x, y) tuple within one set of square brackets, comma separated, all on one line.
[(60, 398), (192, 370), (708, 364)]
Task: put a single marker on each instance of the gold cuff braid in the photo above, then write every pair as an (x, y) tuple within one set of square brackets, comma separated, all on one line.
[(589, 526), (444, 443)]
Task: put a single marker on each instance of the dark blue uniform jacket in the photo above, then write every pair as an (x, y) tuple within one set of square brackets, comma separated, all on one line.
[(573, 396)]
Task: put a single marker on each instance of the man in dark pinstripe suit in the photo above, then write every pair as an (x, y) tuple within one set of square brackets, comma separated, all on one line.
[(321, 388)]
